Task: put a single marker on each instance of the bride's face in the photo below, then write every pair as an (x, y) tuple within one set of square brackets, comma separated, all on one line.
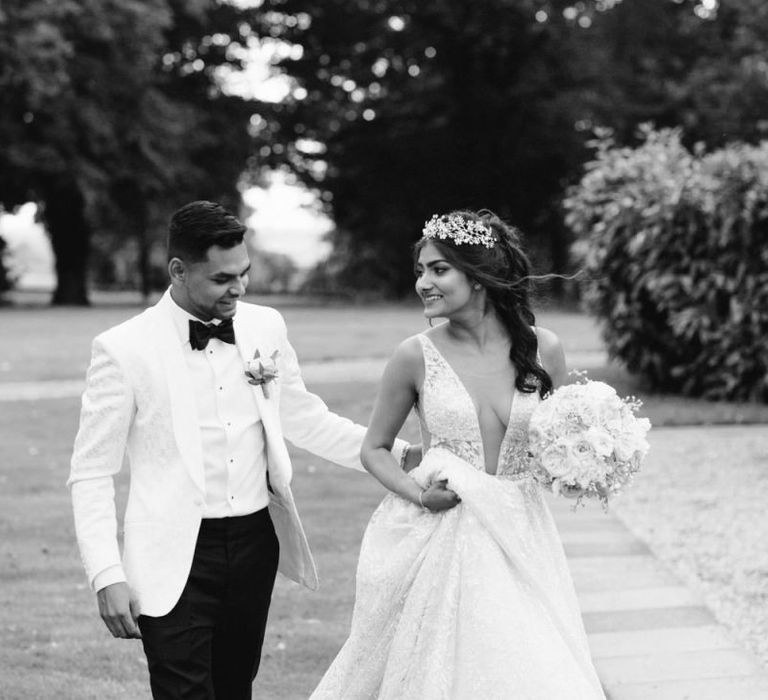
[(444, 289)]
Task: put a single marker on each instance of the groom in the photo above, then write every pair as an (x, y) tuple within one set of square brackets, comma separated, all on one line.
[(210, 516)]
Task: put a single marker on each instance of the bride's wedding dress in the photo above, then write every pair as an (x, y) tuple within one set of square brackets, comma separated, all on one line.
[(472, 603)]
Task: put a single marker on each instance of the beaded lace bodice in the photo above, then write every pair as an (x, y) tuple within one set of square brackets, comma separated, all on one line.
[(448, 419)]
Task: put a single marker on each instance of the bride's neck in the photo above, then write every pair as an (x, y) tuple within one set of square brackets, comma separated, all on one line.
[(479, 330)]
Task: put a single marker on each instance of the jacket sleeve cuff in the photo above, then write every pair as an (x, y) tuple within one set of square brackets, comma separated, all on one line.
[(110, 575), (397, 449)]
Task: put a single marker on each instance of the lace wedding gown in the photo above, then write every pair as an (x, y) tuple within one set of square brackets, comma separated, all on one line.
[(472, 603)]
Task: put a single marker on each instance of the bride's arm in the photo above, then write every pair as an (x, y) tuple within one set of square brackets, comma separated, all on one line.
[(552, 356), (553, 360), (396, 397)]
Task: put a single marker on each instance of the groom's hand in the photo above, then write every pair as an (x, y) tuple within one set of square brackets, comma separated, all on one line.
[(571, 491), (119, 612), (439, 497)]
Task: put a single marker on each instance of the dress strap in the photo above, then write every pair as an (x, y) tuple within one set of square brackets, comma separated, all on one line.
[(431, 354)]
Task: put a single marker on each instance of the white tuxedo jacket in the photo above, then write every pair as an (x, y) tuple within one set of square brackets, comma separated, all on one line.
[(138, 404)]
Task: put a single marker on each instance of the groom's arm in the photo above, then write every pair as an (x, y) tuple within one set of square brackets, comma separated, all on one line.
[(308, 423), (105, 419)]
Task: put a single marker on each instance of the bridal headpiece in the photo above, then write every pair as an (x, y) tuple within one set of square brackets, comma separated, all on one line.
[(459, 230)]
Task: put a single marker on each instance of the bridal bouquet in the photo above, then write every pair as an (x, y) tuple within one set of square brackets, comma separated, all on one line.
[(585, 436)]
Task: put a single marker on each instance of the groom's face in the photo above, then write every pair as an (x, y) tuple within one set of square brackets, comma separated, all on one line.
[(210, 289)]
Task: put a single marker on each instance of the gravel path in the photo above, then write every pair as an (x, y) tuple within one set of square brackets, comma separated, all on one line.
[(701, 504)]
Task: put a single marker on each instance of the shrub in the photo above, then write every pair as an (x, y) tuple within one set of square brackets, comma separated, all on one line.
[(675, 249)]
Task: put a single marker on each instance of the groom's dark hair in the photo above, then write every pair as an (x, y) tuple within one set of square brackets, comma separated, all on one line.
[(197, 226)]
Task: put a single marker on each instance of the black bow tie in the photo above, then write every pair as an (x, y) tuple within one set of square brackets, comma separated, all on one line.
[(201, 333)]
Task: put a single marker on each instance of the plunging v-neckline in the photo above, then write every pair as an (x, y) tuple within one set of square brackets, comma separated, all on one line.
[(476, 410)]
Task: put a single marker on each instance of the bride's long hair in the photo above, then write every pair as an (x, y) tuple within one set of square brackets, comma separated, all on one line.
[(505, 273)]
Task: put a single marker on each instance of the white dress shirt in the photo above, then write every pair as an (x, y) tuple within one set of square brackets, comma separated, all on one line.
[(234, 456)]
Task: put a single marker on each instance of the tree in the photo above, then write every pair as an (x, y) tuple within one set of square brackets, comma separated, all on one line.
[(682, 64), (400, 109), (403, 109), (112, 113), (673, 244), (271, 272)]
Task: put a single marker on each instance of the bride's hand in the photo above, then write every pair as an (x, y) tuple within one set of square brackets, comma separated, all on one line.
[(437, 496)]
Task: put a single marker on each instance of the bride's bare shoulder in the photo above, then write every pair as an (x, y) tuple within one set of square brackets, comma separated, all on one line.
[(409, 352), (551, 353), (548, 340), (407, 361)]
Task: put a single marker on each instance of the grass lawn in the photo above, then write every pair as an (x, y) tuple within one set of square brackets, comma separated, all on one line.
[(53, 645), (39, 343)]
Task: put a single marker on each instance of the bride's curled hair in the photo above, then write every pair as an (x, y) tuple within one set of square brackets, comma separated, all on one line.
[(504, 270)]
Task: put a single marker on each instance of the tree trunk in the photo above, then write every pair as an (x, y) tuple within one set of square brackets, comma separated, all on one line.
[(132, 206), (64, 214), (145, 272)]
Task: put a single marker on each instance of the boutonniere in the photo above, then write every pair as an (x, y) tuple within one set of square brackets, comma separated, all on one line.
[(261, 372)]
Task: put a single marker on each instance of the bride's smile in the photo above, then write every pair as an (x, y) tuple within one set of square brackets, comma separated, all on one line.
[(443, 289)]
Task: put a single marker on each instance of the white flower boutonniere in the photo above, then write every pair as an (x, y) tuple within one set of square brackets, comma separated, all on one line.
[(261, 372)]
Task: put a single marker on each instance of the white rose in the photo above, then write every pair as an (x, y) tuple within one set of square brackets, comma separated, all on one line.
[(556, 459), (600, 441), (601, 391), (626, 445)]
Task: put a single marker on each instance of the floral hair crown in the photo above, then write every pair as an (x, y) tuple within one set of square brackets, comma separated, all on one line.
[(459, 230)]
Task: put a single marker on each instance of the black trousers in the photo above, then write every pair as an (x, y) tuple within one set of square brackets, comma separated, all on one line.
[(209, 645)]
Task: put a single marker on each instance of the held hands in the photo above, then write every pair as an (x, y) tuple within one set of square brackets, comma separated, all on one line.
[(119, 611), (437, 497), (576, 491), (570, 491)]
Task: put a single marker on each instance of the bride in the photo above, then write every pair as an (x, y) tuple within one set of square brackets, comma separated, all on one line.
[(463, 590)]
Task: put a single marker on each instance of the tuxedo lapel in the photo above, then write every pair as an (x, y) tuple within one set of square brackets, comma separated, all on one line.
[(185, 422), (279, 462)]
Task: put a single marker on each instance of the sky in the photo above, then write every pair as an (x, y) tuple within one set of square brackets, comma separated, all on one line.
[(286, 221), (286, 218), (31, 255)]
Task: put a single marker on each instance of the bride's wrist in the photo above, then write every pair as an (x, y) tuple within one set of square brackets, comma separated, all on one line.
[(423, 505)]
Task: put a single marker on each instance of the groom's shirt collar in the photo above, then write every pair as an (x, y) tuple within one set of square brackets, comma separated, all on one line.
[(181, 319)]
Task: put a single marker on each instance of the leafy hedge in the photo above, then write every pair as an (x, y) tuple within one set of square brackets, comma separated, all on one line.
[(674, 245)]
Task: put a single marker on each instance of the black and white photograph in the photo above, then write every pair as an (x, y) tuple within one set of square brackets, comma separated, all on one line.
[(383, 350)]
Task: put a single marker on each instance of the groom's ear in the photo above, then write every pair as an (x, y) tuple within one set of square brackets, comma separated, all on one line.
[(176, 269)]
